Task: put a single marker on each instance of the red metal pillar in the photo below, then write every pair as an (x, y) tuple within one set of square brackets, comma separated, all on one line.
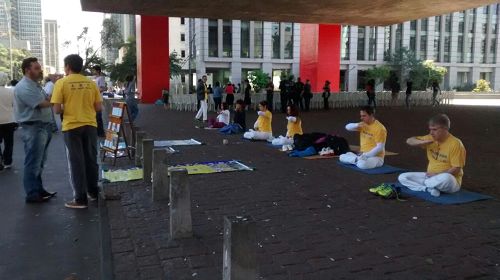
[(320, 55), (153, 63)]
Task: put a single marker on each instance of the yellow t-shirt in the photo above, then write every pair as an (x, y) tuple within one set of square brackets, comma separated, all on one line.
[(443, 156), (370, 135), (77, 94), (264, 122), (294, 128)]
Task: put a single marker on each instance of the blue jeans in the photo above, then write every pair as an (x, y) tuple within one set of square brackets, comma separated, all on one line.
[(36, 138)]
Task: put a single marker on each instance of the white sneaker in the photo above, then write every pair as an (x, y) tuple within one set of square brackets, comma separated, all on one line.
[(7, 166)]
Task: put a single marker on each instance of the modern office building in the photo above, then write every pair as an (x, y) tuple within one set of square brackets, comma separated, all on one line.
[(27, 24), (51, 44), (126, 24), (464, 42), (228, 50)]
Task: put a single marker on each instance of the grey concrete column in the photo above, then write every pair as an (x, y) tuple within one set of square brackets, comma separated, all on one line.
[(220, 35), (160, 175), (239, 252), (380, 45), (147, 156), (454, 41), (139, 136), (252, 39), (353, 45), (180, 205), (431, 34)]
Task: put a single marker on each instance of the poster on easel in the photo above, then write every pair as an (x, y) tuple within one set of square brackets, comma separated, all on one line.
[(115, 143)]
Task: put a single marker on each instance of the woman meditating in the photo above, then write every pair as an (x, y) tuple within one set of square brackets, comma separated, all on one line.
[(294, 127), (222, 118), (262, 127)]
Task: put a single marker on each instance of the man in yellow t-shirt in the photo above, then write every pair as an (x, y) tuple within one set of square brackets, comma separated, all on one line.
[(262, 127), (373, 136), (446, 155), (79, 98)]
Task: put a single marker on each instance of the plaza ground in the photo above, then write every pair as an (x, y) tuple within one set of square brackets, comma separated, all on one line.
[(315, 220)]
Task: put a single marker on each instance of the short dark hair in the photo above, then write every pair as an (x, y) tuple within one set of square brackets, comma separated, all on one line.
[(224, 106), (129, 78), (241, 102), (14, 82), (217, 84), (75, 63), (97, 68), (263, 103), (27, 63), (441, 120), (368, 109)]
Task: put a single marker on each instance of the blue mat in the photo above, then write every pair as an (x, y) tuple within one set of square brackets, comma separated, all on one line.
[(384, 169), (459, 197), (274, 146)]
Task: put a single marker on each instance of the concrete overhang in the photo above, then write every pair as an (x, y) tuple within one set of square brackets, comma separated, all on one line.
[(355, 12)]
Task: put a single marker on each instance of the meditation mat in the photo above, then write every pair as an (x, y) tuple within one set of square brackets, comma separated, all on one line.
[(384, 169), (212, 167), (354, 149), (169, 143), (462, 196), (122, 175)]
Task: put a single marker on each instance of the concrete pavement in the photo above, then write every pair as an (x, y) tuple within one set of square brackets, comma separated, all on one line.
[(46, 241)]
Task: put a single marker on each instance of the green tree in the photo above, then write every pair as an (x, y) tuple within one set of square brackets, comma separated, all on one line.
[(87, 52), (378, 73), (128, 66), (258, 79), (176, 63), (403, 61), (17, 59), (111, 37)]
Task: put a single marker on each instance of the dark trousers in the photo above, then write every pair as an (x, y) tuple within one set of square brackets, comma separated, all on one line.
[(269, 99), (307, 103), (326, 104), (218, 102), (299, 103), (371, 99), (81, 147), (284, 102), (7, 138), (100, 125)]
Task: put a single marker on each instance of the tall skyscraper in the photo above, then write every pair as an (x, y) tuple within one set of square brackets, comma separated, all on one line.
[(126, 24), (51, 43), (26, 23)]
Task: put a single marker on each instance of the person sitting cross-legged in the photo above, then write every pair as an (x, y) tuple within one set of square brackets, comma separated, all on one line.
[(446, 155), (294, 126), (262, 127), (372, 136), (222, 119)]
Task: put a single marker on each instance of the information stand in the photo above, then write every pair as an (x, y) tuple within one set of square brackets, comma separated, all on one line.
[(116, 143)]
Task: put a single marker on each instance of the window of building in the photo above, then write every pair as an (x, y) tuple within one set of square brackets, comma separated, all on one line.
[(424, 24), (462, 78), (493, 48), (469, 56), (213, 38), (276, 38), (245, 39), (460, 48), (183, 20), (399, 37), (372, 44), (183, 53), (288, 33), (344, 51), (423, 47), (447, 48), (387, 42), (183, 79), (447, 23), (461, 22), (258, 33), (413, 25), (485, 76), (227, 38), (361, 43), (482, 54), (472, 23), (183, 37)]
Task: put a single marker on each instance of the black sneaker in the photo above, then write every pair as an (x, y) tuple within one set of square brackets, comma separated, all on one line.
[(48, 195)]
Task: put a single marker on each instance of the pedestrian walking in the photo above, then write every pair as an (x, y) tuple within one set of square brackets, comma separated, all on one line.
[(101, 84), (32, 110), (80, 104), (202, 95), (435, 91), (409, 85), (370, 92), (230, 95), (270, 93), (217, 96), (298, 95), (129, 95), (7, 127), (247, 99)]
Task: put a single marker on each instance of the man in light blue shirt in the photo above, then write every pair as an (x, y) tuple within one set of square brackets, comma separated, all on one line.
[(32, 110)]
